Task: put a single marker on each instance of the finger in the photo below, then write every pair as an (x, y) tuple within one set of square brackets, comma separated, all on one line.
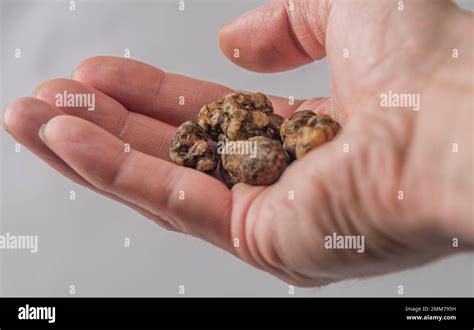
[(142, 88), (164, 189), (278, 36), (326, 105), (141, 132), (23, 119)]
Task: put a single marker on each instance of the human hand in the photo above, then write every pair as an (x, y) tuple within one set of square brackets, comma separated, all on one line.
[(348, 193)]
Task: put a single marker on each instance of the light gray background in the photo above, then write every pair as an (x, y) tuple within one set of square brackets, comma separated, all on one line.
[(81, 241)]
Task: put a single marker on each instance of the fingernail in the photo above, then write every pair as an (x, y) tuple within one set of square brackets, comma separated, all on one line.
[(41, 133)]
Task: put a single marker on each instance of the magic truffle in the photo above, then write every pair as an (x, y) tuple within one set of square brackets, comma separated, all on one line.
[(305, 130), (249, 118), (261, 169), (240, 116), (190, 148)]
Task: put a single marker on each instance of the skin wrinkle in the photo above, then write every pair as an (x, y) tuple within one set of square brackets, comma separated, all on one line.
[(340, 219), (227, 211), (352, 218), (121, 129), (344, 220), (376, 67), (322, 18), (275, 47), (271, 259), (294, 38), (159, 221), (321, 191), (164, 144), (362, 271), (134, 206), (360, 172), (409, 154), (379, 230), (340, 226), (337, 210), (372, 118), (252, 243), (240, 232), (252, 25), (308, 31), (378, 131), (392, 54), (402, 149), (274, 258), (160, 81), (407, 148), (112, 183), (197, 95), (254, 247), (222, 241), (170, 188), (371, 229), (424, 170), (322, 223), (150, 145), (249, 243), (383, 38)]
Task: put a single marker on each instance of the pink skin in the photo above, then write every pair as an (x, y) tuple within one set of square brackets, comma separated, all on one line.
[(348, 193)]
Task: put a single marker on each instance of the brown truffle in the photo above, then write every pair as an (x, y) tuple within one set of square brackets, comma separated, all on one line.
[(240, 116), (305, 130), (190, 148), (243, 119), (290, 128), (209, 118), (263, 167)]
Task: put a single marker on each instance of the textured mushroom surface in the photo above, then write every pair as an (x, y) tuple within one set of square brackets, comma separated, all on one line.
[(190, 148), (261, 168), (240, 116), (305, 130)]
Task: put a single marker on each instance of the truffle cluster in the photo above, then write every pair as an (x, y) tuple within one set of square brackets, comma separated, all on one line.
[(269, 142)]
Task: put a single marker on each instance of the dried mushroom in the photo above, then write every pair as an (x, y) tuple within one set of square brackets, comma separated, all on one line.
[(305, 130), (254, 144), (261, 167), (240, 116), (190, 148)]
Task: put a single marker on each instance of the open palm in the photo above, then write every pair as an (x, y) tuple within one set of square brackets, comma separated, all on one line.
[(350, 186)]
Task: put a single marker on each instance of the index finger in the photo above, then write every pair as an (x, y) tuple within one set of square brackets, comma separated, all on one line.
[(160, 187), (144, 89)]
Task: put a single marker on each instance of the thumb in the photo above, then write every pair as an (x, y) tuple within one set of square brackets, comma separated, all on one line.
[(278, 36)]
